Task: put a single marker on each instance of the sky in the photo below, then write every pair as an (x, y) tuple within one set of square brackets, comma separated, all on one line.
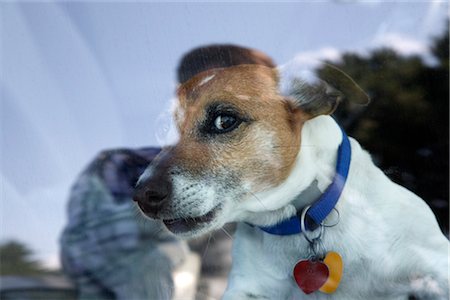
[(79, 77)]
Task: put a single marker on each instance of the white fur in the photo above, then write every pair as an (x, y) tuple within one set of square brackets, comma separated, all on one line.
[(306, 168), (206, 79), (243, 97), (200, 193), (388, 237)]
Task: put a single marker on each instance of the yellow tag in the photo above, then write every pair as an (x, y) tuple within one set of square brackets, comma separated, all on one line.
[(336, 267)]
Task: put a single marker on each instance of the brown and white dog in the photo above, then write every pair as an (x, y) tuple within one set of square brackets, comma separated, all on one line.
[(247, 149)]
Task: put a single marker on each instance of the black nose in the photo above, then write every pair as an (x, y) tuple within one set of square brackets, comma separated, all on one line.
[(151, 195)]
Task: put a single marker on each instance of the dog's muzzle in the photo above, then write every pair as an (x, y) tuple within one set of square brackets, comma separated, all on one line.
[(153, 194)]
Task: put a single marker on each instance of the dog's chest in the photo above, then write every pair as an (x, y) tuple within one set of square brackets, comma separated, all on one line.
[(272, 258), (272, 254)]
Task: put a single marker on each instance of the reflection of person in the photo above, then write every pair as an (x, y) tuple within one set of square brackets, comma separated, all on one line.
[(107, 247)]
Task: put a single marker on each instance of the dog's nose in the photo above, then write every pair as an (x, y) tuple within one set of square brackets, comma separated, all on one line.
[(152, 195)]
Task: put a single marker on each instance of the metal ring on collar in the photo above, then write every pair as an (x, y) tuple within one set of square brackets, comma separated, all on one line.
[(337, 220), (304, 230)]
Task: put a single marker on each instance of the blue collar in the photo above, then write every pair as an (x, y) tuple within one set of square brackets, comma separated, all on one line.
[(325, 204)]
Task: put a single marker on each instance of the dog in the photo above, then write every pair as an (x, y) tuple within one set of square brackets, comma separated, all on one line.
[(268, 155)]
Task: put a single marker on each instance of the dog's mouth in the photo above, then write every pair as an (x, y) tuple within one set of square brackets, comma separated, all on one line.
[(183, 225)]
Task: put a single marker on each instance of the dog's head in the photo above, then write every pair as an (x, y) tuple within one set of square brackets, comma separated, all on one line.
[(239, 136)]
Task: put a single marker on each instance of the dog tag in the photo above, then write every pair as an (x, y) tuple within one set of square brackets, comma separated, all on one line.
[(335, 267), (310, 275)]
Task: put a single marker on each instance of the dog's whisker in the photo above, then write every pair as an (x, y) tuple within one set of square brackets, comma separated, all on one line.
[(207, 246), (259, 200), (227, 233)]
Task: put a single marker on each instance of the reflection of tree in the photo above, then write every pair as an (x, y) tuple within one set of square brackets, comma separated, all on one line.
[(406, 125), (15, 259)]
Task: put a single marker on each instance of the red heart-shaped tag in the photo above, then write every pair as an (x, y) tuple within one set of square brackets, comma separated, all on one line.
[(310, 275)]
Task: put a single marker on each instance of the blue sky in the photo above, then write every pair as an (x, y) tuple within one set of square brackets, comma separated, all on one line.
[(79, 77)]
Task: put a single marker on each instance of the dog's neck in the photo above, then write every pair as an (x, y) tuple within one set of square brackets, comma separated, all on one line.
[(311, 175)]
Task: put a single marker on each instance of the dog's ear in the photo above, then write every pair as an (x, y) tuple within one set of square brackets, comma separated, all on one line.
[(321, 92), (214, 56)]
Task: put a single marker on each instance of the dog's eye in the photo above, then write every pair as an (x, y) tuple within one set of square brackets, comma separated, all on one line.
[(225, 123)]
